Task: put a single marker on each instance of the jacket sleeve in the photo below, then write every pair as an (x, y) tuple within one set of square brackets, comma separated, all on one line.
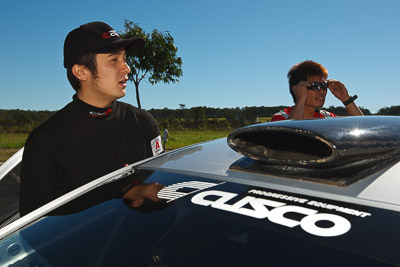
[(38, 173), (151, 134)]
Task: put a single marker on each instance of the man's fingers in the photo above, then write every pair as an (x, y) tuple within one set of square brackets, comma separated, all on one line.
[(303, 83)]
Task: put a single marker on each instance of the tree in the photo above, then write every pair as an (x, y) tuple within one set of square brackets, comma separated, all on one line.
[(157, 61), (199, 117), (392, 110)]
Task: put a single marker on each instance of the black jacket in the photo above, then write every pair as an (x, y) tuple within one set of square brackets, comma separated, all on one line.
[(81, 143)]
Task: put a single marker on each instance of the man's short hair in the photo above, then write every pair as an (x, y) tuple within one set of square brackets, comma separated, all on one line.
[(89, 61), (302, 71)]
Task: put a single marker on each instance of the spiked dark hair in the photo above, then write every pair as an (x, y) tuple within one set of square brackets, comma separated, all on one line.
[(304, 70)]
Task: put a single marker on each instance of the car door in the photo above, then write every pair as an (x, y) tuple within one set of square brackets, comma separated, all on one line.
[(9, 189)]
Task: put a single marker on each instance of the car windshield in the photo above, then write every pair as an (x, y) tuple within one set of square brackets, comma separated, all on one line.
[(106, 228)]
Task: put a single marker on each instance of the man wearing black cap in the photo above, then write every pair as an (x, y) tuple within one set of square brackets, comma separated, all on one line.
[(94, 134)]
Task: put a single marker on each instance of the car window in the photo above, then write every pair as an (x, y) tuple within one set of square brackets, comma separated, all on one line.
[(101, 229), (175, 238), (9, 196)]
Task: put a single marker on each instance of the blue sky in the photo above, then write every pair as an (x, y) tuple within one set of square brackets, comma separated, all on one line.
[(235, 53)]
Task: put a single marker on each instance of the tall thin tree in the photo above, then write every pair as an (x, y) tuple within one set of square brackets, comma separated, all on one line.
[(157, 61)]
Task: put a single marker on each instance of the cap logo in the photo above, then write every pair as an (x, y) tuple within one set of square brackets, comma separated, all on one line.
[(109, 34)]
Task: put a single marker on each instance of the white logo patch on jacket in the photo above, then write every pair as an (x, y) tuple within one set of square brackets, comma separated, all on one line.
[(156, 146)]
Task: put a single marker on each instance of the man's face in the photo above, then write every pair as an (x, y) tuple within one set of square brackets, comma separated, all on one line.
[(112, 76), (316, 99)]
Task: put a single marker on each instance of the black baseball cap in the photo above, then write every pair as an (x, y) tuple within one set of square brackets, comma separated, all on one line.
[(95, 37)]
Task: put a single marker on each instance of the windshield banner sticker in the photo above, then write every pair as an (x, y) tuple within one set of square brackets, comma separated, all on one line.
[(313, 214), (311, 203), (175, 191)]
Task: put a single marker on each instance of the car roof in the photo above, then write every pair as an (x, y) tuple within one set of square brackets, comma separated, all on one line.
[(204, 160), (217, 160)]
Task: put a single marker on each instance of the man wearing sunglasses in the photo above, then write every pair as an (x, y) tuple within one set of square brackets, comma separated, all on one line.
[(308, 86)]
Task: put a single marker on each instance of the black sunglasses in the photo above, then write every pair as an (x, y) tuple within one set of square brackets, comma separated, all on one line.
[(317, 86)]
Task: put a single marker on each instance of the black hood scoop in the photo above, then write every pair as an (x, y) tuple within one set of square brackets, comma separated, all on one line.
[(336, 151)]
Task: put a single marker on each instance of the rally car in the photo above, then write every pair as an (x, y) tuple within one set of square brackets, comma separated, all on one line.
[(288, 193)]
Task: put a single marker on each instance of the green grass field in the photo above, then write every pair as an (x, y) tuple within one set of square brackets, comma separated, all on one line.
[(179, 139), (264, 119), (10, 143)]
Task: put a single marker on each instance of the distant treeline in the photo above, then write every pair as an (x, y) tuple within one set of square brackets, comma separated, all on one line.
[(21, 121), (221, 118), (200, 118)]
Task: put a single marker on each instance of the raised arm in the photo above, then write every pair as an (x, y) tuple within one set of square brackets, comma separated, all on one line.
[(339, 90)]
